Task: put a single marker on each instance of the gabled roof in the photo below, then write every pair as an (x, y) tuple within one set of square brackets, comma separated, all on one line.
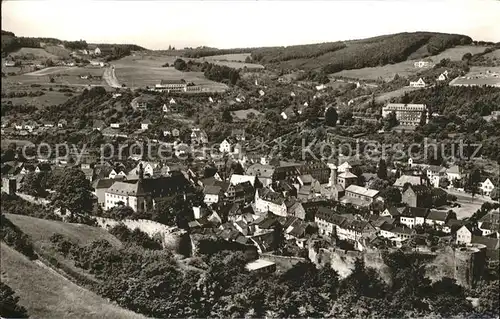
[(362, 191), (212, 190), (415, 212), (403, 179), (347, 175), (126, 188), (438, 215)]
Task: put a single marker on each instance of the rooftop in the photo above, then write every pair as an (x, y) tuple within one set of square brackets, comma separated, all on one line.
[(259, 264)]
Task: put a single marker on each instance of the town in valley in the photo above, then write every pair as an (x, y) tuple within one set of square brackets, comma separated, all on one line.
[(344, 179)]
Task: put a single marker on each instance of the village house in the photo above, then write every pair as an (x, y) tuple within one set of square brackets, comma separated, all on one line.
[(418, 84), (437, 218), (165, 108), (413, 216), (198, 136), (359, 196), (417, 196), (464, 234), (141, 102), (396, 234), (268, 201), (213, 194), (422, 64), (408, 179), (229, 146), (263, 172), (145, 124), (346, 178), (355, 230), (327, 221), (443, 76), (486, 187), (434, 174), (453, 173), (406, 114)]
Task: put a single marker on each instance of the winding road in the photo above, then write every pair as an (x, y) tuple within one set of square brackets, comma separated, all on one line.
[(110, 77)]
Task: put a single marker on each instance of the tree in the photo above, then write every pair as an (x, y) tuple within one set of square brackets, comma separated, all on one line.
[(390, 121), (180, 64), (391, 194), (467, 56), (331, 116), (495, 194), (49, 62), (73, 191), (9, 307), (472, 182), (444, 182), (382, 169), (226, 116)]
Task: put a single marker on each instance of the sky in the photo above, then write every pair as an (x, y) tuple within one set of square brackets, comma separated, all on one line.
[(246, 23)]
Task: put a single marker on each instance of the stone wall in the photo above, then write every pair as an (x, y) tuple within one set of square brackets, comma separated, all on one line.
[(464, 264), (283, 262)]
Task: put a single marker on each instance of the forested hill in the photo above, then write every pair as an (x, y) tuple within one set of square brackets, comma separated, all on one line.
[(11, 43), (343, 55)]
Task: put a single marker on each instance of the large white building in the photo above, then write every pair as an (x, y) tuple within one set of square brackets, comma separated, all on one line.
[(172, 86), (406, 114)]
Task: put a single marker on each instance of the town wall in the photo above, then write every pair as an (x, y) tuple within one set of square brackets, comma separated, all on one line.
[(464, 264)]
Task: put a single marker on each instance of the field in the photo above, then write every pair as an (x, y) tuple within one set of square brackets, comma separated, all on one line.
[(238, 57), (242, 114), (47, 294), (36, 53), (406, 68), (493, 55), (146, 70), (479, 76), (236, 61), (57, 50)]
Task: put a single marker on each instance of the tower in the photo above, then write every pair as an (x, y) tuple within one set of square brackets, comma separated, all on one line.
[(333, 175)]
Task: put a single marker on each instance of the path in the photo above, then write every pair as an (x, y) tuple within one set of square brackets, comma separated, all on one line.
[(110, 77)]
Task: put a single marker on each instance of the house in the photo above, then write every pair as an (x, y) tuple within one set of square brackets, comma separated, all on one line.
[(355, 230), (172, 101), (165, 108), (418, 84), (320, 87), (396, 233), (434, 174), (327, 221), (347, 178), (464, 234), (198, 136), (263, 172), (443, 76), (229, 146), (268, 201), (408, 179), (391, 212), (213, 194), (97, 51), (453, 173), (100, 187), (406, 114), (141, 102), (413, 216), (238, 179), (437, 218), (422, 64), (287, 113), (359, 196), (175, 132), (417, 196), (490, 223), (261, 266), (145, 124), (486, 187), (295, 208), (115, 125), (238, 134), (492, 246), (262, 93), (10, 63)]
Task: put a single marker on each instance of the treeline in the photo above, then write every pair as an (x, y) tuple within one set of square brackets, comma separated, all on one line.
[(278, 54), (217, 284), (206, 51), (14, 237), (214, 72)]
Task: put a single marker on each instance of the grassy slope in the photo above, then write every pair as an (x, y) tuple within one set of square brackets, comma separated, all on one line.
[(406, 68), (40, 230), (38, 53), (46, 294)]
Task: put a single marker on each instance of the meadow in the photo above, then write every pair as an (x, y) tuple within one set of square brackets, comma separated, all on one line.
[(406, 68), (146, 70)]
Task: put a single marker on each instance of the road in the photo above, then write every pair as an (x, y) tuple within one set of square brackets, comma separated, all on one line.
[(110, 77)]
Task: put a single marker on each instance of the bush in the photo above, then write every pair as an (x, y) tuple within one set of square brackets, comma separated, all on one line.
[(9, 307), (136, 236), (15, 238)]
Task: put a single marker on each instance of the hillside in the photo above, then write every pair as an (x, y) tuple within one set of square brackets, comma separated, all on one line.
[(47, 294), (40, 230), (12, 43)]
